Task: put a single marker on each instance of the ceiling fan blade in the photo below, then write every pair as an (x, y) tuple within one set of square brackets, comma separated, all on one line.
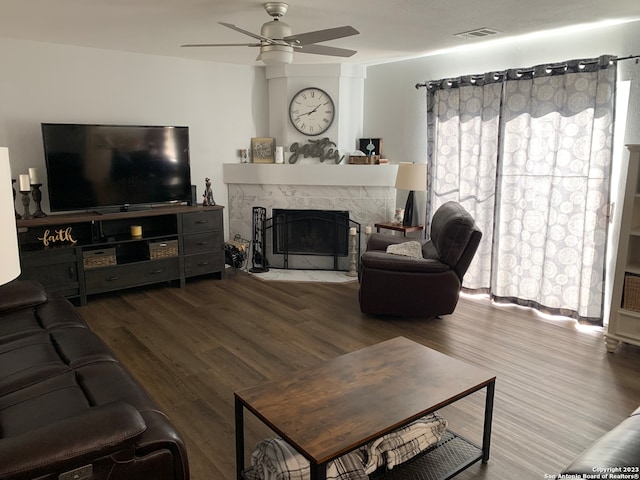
[(222, 45), (321, 35), (246, 32), (325, 50)]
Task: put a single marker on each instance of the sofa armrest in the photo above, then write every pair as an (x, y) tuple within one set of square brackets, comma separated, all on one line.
[(21, 294), (401, 263), (617, 448), (72, 442), (380, 241)]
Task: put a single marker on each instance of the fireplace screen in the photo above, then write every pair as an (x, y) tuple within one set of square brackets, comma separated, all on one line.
[(310, 232)]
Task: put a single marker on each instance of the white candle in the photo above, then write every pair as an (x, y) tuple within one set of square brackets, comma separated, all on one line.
[(34, 178), (367, 230), (279, 155), (25, 184), (352, 231)]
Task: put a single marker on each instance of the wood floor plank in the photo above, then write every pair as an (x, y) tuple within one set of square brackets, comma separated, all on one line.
[(557, 388)]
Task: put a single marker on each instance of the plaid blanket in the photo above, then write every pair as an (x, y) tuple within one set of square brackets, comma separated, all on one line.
[(275, 459), (404, 443)]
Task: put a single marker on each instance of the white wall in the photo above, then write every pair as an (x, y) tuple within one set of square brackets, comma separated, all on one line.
[(223, 105)]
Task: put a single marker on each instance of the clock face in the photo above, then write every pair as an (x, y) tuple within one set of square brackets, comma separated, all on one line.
[(311, 111)]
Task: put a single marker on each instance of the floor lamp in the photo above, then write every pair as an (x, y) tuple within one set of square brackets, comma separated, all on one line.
[(9, 240), (412, 177)]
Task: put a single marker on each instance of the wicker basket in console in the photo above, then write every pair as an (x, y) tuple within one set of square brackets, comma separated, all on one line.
[(164, 249), (99, 258), (631, 296)]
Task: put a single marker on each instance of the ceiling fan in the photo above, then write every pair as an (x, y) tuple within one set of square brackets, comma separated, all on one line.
[(277, 44)]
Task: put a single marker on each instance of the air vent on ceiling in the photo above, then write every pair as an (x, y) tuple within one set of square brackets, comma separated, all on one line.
[(477, 33)]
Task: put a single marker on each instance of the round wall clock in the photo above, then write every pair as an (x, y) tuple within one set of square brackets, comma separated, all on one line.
[(311, 111)]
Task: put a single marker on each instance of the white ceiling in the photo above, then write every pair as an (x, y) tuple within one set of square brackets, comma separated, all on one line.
[(388, 29)]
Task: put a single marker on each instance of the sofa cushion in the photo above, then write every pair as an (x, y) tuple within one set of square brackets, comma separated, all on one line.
[(27, 360), (40, 404), (58, 313), (35, 319), (41, 355), (18, 324)]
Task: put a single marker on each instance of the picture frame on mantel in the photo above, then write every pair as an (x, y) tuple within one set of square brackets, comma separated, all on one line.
[(370, 146), (263, 150)]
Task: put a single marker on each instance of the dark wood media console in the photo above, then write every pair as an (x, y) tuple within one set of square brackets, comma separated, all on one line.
[(87, 253)]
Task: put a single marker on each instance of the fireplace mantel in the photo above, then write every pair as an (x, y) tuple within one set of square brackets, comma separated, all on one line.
[(314, 174)]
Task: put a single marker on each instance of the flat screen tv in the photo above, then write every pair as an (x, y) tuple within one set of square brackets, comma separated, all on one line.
[(104, 167)]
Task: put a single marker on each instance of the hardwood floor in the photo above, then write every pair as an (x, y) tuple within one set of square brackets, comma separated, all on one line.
[(557, 389)]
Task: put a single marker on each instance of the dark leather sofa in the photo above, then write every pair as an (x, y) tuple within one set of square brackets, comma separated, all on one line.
[(420, 287), (616, 452), (67, 405)]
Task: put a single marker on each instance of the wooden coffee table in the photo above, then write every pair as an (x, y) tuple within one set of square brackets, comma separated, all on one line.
[(346, 402)]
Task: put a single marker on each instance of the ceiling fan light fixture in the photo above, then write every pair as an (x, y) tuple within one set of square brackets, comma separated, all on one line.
[(276, 54)]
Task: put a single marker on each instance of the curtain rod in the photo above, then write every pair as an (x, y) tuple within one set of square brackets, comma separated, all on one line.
[(629, 57)]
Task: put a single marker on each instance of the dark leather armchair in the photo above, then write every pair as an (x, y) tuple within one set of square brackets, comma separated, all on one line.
[(400, 285)]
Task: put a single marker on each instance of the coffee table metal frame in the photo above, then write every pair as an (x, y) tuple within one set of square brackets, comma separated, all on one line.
[(445, 460)]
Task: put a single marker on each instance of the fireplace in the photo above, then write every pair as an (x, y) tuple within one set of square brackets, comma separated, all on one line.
[(310, 232), (366, 191)]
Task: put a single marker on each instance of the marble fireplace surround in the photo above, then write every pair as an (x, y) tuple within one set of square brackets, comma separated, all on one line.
[(366, 191)]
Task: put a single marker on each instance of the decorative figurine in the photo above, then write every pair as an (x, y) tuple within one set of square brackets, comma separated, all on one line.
[(399, 216), (208, 193), (36, 194)]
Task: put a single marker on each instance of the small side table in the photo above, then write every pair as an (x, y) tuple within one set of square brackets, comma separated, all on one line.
[(398, 228)]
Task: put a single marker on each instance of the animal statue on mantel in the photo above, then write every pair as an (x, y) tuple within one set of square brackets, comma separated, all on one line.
[(208, 194)]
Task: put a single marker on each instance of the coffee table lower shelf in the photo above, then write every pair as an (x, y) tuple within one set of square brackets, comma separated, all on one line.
[(447, 458)]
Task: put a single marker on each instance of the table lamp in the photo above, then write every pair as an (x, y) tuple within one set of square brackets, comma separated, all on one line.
[(412, 177), (9, 256)]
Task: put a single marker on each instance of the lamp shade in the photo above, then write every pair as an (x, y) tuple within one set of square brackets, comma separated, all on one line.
[(412, 176), (9, 257)]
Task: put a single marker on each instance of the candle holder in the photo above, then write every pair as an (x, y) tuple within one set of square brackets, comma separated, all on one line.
[(36, 194), (353, 270), (25, 203), (18, 216)]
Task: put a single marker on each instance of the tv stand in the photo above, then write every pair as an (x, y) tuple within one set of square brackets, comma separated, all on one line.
[(88, 253)]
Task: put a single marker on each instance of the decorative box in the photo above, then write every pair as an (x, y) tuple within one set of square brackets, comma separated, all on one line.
[(364, 159)]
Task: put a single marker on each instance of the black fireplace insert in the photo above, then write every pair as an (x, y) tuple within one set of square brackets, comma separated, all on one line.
[(310, 232)]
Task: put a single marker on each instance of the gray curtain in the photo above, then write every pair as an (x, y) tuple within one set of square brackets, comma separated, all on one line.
[(528, 153)]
